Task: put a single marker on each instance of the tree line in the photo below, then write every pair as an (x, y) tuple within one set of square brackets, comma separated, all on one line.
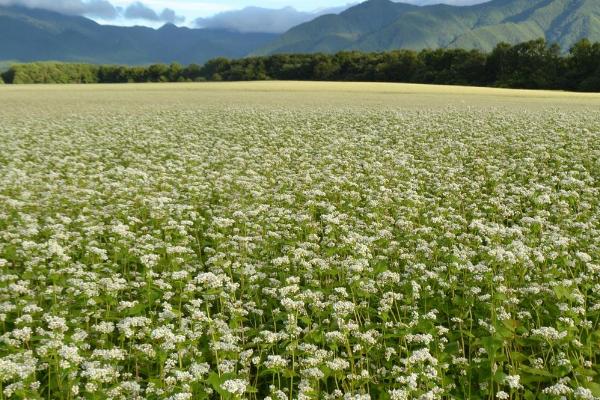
[(535, 64)]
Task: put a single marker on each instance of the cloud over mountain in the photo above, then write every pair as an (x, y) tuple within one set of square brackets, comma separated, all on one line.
[(258, 19), (93, 8), (102, 9), (249, 19), (139, 10), (449, 2)]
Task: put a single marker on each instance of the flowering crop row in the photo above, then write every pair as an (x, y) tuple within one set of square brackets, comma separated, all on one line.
[(272, 254)]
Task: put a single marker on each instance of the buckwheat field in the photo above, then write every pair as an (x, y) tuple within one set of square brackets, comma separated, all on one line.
[(298, 241)]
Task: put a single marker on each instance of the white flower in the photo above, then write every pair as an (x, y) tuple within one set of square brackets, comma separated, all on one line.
[(235, 386), (549, 333), (559, 389), (276, 362), (584, 394), (513, 382), (399, 394)]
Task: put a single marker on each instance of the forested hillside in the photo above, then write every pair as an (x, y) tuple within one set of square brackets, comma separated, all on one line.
[(383, 25)]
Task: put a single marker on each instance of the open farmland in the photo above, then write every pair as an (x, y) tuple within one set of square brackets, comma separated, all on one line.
[(298, 241)]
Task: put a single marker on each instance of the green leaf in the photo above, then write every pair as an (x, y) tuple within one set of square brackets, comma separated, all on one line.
[(536, 371), (593, 386), (562, 292), (586, 372), (529, 395), (519, 357), (288, 373), (216, 381), (510, 324), (492, 344)]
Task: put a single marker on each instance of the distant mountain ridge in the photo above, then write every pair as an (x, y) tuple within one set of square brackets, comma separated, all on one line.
[(381, 25), (38, 35), (374, 25)]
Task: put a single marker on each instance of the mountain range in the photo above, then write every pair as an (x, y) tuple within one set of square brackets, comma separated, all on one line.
[(379, 25), (37, 35), (374, 25)]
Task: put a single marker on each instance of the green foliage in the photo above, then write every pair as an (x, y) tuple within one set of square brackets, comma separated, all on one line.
[(8, 76), (52, 72), (530, 65), (583, 71)]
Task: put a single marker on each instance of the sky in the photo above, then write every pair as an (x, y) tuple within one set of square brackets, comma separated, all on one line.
[(242, 15)]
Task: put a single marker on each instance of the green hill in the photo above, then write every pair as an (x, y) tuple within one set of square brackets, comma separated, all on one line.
[(37, 35), (379, 25)]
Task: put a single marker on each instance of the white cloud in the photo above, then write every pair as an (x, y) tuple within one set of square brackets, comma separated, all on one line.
[(450, 2), (92, 8), (100, 9), (141, 11)]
